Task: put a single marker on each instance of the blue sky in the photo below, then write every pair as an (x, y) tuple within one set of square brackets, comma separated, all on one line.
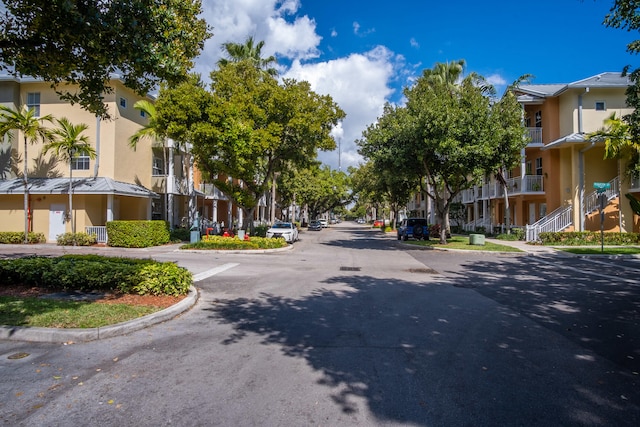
[(363, 53)]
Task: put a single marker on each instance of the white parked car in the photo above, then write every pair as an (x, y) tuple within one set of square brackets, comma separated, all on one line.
[(324, 223), (286, 230)]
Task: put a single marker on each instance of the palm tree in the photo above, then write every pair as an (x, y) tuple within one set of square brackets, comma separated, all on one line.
[(152, 132), (67, 143), (237, 52), (26, 121)]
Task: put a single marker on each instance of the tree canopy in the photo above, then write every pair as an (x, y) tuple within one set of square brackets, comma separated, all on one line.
[(248, 127), (624, 15), (449, 136), (84, 42)]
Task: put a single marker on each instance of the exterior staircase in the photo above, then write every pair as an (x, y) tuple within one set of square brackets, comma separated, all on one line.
[(562, 218)]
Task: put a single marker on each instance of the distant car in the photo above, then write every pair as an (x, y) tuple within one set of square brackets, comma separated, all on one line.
[(315, 225), (416, 228), (378, 223), (324, 223), (360, 221), (286, 230)]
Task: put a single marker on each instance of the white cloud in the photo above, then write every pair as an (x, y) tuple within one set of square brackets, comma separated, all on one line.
[(266, 20), (359, 84), (414, 43), (356, 30)]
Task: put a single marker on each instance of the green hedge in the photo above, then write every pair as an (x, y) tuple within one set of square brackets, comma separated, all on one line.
[(97, 273), (585, 238), (138, 234), (17, 237), (80, 239), (224, 243)]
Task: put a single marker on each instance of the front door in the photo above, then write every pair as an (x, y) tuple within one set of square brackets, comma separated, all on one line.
[(532, 213), (57, 223)]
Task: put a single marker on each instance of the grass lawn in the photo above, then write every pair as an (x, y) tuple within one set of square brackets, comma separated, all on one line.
[(462, 242), (608, 250), (48, 313)]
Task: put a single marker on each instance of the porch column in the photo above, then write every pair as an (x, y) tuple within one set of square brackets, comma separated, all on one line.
[(215, 210), (110, 198)]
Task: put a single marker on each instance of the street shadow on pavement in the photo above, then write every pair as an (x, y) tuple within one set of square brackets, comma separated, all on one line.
[(438, 353)]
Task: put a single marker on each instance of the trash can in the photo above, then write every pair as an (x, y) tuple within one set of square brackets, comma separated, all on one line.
[(195, 236), (476, 239)]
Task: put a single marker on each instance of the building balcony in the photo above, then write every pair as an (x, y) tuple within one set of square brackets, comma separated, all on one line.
[(526, 185), (535, 136), (210, 191), (164, 184)]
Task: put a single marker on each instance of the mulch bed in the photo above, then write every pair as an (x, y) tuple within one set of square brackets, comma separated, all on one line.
[(162, 301)]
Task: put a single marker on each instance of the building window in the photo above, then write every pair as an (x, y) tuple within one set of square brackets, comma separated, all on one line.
[(123, 102), (158, 166), (142, 113), (80, 161), (538, 119), (33, 102), (528, 169), (601, 106), (539, 166)]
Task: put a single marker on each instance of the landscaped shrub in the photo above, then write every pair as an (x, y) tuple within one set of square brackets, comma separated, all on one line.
[(225, 243), (17, 237), (516, 234), (180, 235), (260, 230), (96, 273), (137, 234), (585, 238), (80, 239), (162, 279)]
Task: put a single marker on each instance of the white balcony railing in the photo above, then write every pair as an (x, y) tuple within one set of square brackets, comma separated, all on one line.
[(212, 191), (535, 135)]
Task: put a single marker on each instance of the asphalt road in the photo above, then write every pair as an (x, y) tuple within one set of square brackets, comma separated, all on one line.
[(354, 328)]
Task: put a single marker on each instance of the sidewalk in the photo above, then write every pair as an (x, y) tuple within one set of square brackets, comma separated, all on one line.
[(524, 246)]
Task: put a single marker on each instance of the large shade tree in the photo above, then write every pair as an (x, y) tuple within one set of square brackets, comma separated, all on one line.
[(68, 141), (458, 134), (84, 42), (32, 127), (257, 126), (450, 133)]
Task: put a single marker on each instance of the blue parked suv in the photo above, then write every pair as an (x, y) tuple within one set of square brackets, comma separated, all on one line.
[(416, 228)]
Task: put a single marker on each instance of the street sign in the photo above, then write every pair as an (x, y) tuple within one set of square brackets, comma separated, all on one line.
[(601, 187)]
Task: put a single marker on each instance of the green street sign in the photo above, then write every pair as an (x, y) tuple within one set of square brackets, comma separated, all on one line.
[(601, 186)]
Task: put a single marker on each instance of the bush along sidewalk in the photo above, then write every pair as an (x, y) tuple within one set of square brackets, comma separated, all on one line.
[(96, 273)]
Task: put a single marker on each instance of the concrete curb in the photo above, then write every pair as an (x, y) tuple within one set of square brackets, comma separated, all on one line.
[(236, 251), (59, 335)]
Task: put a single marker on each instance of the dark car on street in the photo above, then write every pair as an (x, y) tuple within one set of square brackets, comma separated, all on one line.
[(315, 225), (416, 228)]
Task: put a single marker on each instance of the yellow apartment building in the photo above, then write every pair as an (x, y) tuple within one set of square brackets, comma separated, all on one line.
[(553, 189), (120, 184)]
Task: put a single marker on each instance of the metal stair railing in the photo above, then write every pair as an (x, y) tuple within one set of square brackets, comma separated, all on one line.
[(591, 203), (557, 220)]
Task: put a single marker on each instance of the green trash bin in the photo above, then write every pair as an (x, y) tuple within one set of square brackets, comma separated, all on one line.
[(476, 239)]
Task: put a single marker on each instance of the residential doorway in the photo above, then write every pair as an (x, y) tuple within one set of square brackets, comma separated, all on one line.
[(532, 213), (57, 223)]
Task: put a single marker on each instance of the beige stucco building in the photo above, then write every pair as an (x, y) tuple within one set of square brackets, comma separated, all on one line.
[(121, 183)]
